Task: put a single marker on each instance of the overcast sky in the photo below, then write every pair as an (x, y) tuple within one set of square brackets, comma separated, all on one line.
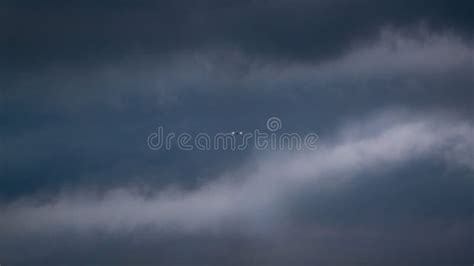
[(387, 86)]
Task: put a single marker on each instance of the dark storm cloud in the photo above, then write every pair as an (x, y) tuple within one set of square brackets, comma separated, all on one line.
[(34, 34), (347, 202), (411, 244), (85, 82), (260, 193), (76, 126)]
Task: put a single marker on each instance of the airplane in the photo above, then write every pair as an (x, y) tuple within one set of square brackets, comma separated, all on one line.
[(237, 133)]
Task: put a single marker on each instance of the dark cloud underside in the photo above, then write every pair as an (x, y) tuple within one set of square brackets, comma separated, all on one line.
[(386, 85), (35, 34)]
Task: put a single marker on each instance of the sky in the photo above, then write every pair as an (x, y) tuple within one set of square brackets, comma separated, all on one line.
[(387, 88)]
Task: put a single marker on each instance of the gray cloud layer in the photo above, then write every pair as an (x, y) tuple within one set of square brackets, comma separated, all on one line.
[(225, 198), (95, 118), (84, 83), (256, 202), (39, 34)]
